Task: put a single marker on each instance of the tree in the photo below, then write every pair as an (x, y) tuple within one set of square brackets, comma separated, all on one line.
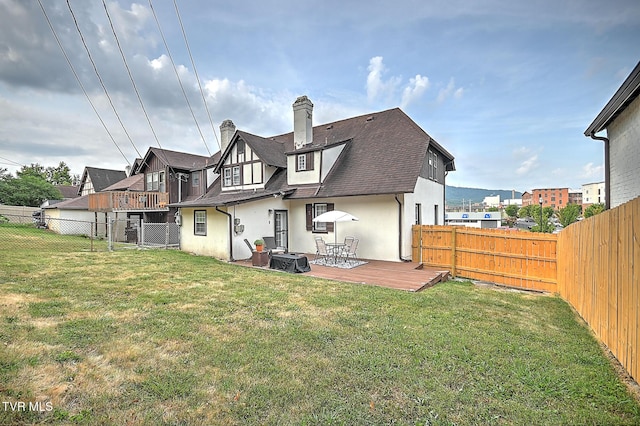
[(569, 214), (59, 175), (545, 225), (525, 211), (35, 170), (511, 210), (27, 190), (593, 210)]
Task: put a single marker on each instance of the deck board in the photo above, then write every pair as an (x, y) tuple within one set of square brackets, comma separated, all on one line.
[(395, 275)]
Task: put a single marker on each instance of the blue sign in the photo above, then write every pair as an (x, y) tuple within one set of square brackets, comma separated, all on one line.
[(465, 215), (487, 215)]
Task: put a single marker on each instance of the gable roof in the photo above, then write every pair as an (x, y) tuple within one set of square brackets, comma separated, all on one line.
[(78, 203), (132, 183), (100, 178), (383, 153), (177, 160), (68, 191), (621, 99)]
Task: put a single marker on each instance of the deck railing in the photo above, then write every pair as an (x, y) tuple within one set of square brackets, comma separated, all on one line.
[(128, 200)]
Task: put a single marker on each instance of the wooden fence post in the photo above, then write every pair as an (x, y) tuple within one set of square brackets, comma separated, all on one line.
[(453, 252)]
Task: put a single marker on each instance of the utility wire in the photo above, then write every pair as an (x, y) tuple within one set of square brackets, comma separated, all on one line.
[(193, 64), (55, 35), (95, 69), (133, 83), (15, 163), (177, 75)]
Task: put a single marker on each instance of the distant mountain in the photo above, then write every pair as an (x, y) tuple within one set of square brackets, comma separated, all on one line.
[(455, 195)]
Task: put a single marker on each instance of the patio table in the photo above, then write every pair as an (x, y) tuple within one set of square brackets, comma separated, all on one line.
[(336, 248)]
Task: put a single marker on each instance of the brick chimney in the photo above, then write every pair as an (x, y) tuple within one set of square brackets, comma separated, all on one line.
[(227, 130), (302, 122)]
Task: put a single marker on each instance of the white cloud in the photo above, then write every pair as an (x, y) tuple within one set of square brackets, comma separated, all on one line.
[(591, 171), (416, 87), (376, 85), (527, 165), (450, 90)]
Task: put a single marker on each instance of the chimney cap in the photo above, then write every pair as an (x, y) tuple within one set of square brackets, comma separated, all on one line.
[(302, 100)]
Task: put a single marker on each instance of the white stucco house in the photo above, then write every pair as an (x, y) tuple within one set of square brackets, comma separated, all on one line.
[(620, 117), (380, 167)]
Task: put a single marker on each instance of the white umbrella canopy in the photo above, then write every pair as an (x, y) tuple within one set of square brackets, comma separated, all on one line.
[(335, 216)]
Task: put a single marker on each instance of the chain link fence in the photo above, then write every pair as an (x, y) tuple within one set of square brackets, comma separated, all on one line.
[(37, 232), (86, 235)]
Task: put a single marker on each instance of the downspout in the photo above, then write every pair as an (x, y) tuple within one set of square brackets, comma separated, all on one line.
[(607, 170), (231, 259), (400, 230)]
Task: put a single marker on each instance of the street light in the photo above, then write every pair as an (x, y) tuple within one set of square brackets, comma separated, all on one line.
[(541, 201)]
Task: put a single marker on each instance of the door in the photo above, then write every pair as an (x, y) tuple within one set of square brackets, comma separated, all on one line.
[(281, 228)]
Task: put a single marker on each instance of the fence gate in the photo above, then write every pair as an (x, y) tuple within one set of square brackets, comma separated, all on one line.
[(131, 233)]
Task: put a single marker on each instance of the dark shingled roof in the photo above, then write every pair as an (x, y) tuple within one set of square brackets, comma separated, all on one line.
[(180, 160), (78, 203), (101, 178), (384, 153), (132, 183)]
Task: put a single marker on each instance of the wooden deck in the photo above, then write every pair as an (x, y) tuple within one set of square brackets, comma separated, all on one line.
[(406, 276)]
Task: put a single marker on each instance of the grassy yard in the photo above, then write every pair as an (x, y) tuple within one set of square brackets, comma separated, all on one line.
[(164, 337)]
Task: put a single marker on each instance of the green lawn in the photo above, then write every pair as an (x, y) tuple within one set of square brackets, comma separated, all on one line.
[(164, 337)]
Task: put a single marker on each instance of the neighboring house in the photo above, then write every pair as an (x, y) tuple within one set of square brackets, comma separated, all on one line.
[(621, 119), (95, 179), (381, 167), (72, 217), (160, 178), (593, 193)]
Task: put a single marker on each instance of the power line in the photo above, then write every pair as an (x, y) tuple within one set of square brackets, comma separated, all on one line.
[(55, 35), (133, 83), (95, 69), (195, 71), (173, 64), (15, 163)]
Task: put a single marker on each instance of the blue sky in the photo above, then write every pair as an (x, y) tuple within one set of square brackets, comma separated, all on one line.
[(507, 87)]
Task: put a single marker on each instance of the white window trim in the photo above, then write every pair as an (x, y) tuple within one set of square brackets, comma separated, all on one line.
[(203, 223), (302, 162)]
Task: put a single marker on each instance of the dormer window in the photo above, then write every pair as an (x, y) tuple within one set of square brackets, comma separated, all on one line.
[(304, 162)]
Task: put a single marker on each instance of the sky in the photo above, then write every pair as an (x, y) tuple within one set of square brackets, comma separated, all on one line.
[(507, 87)]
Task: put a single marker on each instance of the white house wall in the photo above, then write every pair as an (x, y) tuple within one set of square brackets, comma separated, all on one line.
[(215, 243), (624, 155), (377, 228), (428, 194), (76, 222)]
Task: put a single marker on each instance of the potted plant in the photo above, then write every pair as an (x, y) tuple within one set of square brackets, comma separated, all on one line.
[(259, 244)]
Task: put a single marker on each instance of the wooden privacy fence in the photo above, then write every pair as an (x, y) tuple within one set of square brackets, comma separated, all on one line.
[(599, 275), (517, 259), (593, 264)]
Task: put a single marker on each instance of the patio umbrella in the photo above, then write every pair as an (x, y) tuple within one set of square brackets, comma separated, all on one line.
[(335, 216)]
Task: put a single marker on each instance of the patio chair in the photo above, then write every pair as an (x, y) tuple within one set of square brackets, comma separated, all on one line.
[(350, 250), (251, 248), (321, 250), (270, 245)]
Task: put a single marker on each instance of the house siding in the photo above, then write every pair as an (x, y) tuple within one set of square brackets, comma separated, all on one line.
[(215, 243), (624, 155)]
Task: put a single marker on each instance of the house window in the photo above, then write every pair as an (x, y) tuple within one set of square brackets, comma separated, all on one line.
[(240, 147), (319, 209), (162, 187), (418, 214), (315, 210), (433, 165), (236, 175), (302, 162), (227, 177), (195, 179), (153, 181), (200, 222)]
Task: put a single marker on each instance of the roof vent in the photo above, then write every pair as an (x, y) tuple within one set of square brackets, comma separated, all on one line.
[(330, 126), (370, 118)]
